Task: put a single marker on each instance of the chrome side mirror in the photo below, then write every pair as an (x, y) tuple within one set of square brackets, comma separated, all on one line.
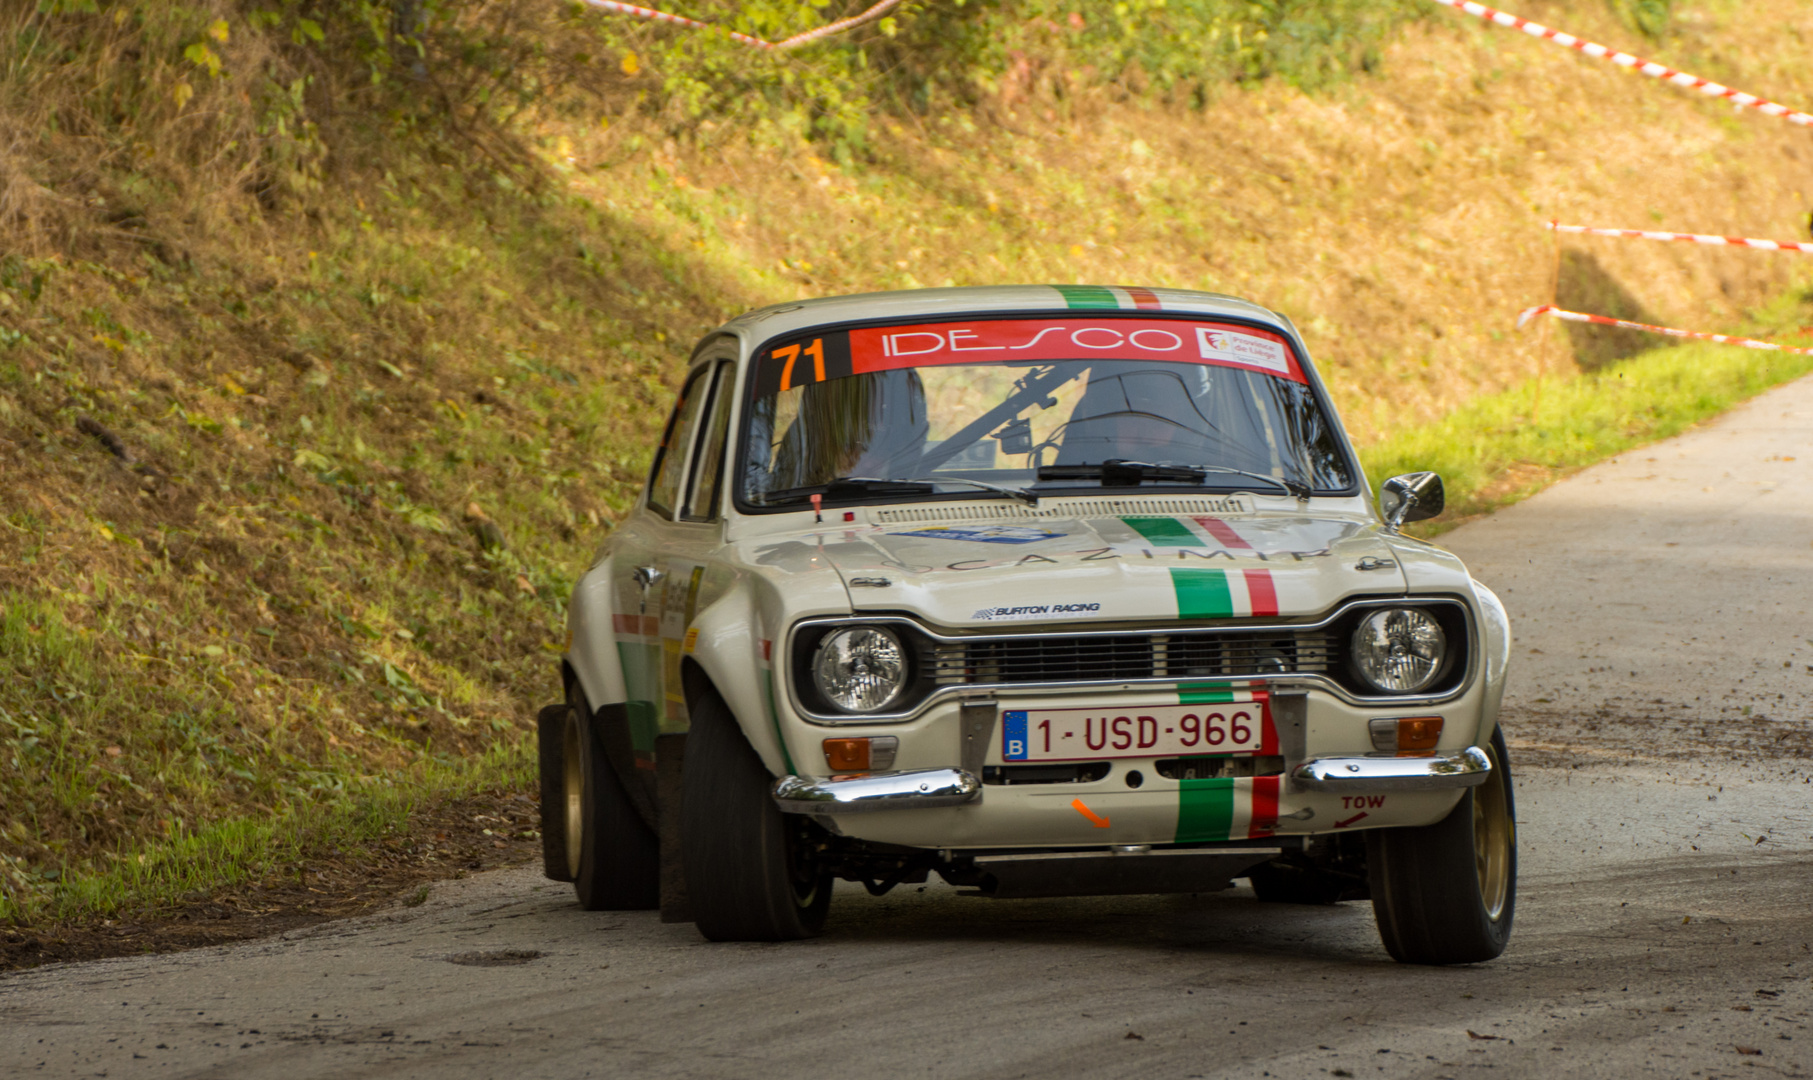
[(1413, 496)]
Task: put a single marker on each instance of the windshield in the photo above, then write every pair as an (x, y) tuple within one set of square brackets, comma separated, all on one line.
[(1037, 405)]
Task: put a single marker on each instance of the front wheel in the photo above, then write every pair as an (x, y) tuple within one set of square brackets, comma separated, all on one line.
[(1445, 893), (749, 870)]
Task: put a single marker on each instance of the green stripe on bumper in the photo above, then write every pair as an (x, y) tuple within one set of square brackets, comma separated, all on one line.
[(1204, 695), (1202, 594), (1205, 809), (1087, 297)]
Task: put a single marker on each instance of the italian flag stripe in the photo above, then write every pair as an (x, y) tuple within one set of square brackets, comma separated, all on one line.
[(1163, 531), (1088, 297), (1223, 532), (1228, 808), (1108, 298), (1202, 594), (1143, 299), (1223, 594)]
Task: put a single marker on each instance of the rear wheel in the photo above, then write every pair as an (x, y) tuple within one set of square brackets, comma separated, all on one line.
[(611, 852), (749, 869), (550, 738), (1445, 893)]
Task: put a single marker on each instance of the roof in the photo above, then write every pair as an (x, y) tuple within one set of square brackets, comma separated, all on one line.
[(911, 304)]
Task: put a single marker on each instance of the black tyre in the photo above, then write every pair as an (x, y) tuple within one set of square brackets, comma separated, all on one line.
[(1445, 893), (550, 739), (749, 874), (614, 856), (1284, 883)]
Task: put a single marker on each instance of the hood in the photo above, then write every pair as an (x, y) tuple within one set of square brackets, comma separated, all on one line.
[(1120, 568)]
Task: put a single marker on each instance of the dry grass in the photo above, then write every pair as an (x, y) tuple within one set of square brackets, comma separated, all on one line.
[(332, 355)]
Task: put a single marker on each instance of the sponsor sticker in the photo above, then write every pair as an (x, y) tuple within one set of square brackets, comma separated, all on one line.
[(1234, 347), (1033, 611), (986, 534)]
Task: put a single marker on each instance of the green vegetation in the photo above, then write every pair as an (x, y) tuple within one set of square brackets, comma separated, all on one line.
[(334, 334), (1504, 447)]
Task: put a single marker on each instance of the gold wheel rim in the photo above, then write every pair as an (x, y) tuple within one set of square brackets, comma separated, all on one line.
[(573, 791), (1492, 839)]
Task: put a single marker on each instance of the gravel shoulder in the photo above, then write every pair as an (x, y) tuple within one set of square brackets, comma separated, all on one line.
[(1664, 925)]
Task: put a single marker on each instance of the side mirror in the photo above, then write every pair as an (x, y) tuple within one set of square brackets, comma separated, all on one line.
[(1413, 496)]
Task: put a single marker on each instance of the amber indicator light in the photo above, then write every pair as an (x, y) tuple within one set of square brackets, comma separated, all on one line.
[(1419, 734), (851, 755)]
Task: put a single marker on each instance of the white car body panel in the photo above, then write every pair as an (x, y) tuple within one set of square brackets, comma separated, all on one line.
[(730, 592)]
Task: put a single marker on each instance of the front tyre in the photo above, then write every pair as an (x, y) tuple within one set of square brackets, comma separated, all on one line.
[(749, 872), (1445, 893), (611, 852)]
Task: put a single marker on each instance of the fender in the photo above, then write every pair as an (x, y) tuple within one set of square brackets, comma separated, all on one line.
[(728, 652), (591, 642), (1495, 641)]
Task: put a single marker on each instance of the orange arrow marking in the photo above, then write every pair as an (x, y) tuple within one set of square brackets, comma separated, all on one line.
[(1095, 819)]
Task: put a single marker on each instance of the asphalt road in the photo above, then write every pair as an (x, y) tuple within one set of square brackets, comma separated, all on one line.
[(1664, 925)]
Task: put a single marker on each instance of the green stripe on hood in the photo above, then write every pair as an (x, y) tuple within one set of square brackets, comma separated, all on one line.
[(1202, 594), (1163, 531)]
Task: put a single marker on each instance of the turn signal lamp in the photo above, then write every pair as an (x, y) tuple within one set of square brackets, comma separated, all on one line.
[(1409, 736), (861, 755)]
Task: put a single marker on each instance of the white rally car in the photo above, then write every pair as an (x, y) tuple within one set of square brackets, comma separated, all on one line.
[(1049, 590)]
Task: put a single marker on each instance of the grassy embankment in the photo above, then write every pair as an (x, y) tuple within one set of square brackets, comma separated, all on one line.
[(384, 350)]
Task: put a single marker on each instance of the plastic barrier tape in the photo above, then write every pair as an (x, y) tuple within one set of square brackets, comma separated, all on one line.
[(1691, 238), (794, 42), (1527, 314), (1635, 63)]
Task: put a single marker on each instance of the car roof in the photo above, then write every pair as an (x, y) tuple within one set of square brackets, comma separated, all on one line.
[(779, 319)]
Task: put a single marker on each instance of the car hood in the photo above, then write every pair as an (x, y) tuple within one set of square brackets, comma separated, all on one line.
[(1089, 569)]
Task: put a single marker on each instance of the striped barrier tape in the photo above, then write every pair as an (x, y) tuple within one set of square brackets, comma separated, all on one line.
[(1691, 238), (1524, 316), (870, 15), (1626, 60)]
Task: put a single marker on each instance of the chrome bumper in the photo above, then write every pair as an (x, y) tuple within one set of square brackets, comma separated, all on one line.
[(916, 790), (1468, 768)]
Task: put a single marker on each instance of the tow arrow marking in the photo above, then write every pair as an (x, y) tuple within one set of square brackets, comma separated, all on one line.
[(1096, 819), (1350, 821)]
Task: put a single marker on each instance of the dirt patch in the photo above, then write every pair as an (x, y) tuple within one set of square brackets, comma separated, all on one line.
[(449, 840), (1623, 730)]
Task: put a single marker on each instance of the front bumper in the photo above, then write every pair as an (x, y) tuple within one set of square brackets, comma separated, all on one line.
[(1353, 775), (916, 789)]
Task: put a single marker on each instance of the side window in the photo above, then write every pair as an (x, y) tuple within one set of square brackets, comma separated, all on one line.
[(708, 470), (670, 462)]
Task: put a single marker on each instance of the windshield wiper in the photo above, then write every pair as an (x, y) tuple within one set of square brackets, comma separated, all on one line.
[(848, 487), (1118, 473), (1031, 498)]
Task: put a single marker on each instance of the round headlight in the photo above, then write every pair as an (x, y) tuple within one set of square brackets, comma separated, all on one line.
[(1399, 650), (862, 669)]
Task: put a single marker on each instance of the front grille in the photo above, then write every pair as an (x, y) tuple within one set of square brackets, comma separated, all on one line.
[(1116, 657)]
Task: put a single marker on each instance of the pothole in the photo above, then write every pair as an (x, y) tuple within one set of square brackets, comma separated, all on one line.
[(493, 957)]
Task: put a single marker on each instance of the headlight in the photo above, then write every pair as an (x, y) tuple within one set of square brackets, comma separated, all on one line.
[(1399, 650), (861, 669)]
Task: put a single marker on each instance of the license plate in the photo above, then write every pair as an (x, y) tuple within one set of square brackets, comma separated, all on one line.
[(1237, 727)]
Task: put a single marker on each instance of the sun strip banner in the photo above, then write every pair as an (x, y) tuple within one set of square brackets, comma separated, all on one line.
[(1635, 63), (1527, 314), (1689, 238), (794, 42)]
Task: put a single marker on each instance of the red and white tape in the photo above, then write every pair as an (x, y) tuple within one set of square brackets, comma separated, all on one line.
[(1689, 238), (1524, 316), (794, 42), (1626, 60)]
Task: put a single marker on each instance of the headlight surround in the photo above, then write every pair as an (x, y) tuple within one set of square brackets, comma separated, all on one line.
[(860, 669), (1399, 650)]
